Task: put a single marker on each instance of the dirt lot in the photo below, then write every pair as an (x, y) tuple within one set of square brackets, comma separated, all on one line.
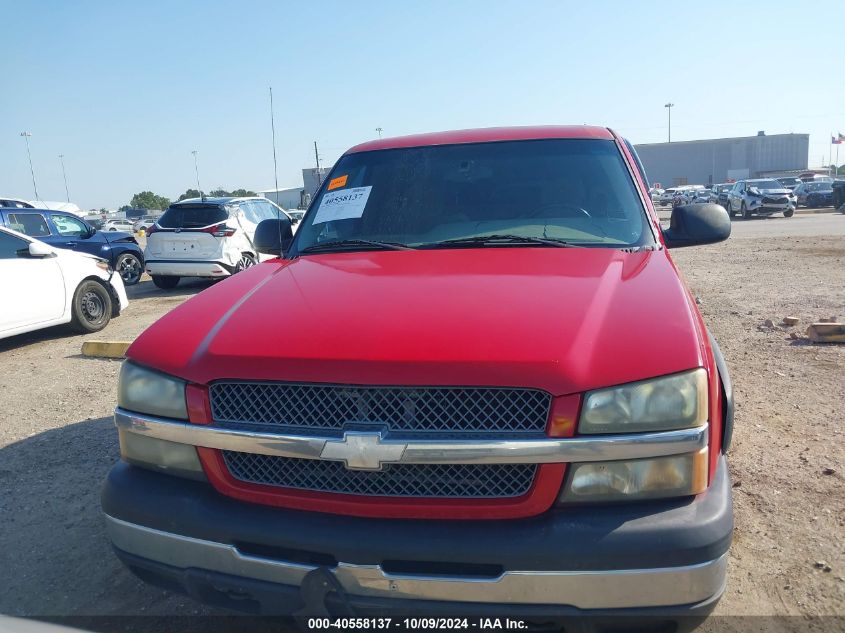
[(57, 441)]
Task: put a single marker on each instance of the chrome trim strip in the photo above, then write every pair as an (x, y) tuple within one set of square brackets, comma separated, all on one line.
[(606, 589), (380, 450)]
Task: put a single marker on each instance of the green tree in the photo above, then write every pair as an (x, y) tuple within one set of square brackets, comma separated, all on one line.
[(190, 193), (237, 193), (149, 200)]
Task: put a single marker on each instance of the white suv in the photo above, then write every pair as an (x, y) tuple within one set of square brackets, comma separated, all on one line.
[(205, 237)]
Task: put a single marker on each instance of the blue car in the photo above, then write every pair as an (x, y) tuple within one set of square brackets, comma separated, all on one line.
[(815, 194), (66, 230)]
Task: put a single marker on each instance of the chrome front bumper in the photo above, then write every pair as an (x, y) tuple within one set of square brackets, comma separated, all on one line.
[(458, 451), (604, 589)]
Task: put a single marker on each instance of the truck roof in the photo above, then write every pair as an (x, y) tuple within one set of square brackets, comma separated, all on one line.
[(487, 135)]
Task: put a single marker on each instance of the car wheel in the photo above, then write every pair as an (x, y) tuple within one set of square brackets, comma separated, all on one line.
[(789, 213), (129, 268), (729, 209), (746, 214), (165, 282), (91, 307), (244, 262)]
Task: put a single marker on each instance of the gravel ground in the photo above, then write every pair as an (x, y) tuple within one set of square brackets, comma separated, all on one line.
[(57, 441)]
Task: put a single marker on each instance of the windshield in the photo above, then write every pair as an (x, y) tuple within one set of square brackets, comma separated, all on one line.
[(790, 181), (192, 216), (574, 190), (764, 184)]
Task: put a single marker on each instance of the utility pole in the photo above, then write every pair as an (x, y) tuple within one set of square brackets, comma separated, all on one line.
[(197, 170), (64, 175), (669, 107), (379, 130), (26, 136), (830, 160), (317, 157)]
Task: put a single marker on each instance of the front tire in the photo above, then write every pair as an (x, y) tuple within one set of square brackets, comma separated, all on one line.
[(129, 268), (165, 282), (746, 214), (789, 213), (91, 307)]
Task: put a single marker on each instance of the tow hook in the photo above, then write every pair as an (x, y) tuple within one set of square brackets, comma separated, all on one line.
[(316, 586)]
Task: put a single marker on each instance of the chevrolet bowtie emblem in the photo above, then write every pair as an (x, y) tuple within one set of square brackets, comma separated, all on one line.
[(362, 450)]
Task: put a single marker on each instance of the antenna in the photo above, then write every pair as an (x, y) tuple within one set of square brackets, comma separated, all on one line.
[(275, 169), (273, 131)]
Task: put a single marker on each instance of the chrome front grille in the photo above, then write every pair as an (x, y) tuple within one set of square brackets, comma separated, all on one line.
[(437, 481), (402, 410)]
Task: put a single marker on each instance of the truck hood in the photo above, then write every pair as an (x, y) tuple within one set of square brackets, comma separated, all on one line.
[(560, 319)]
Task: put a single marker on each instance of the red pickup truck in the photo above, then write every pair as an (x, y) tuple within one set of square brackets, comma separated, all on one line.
[(472, 382)]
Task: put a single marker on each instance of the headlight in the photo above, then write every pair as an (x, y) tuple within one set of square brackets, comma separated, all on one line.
[(168, 457), (659, 477), (147, 391), (661, 404)]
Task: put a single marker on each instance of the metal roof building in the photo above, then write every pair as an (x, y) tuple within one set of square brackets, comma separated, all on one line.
[(722, 159)]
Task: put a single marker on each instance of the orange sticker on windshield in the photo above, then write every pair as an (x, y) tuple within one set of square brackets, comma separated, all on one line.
[(338, 182)]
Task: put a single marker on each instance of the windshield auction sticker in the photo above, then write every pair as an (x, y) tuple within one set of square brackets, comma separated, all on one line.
[(343, 205), (337, 183)]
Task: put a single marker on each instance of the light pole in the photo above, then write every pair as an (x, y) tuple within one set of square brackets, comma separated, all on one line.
[(64, 175), (197, 170), (26, 136), (379, 130), (669, 107)]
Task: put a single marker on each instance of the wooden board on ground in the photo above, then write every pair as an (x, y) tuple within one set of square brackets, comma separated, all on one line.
[(105, 349), (826, 332)]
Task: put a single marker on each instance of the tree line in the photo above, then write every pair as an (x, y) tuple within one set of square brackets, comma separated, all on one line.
[(150, 200)]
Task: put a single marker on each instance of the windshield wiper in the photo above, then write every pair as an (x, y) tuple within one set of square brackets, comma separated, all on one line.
[(345, 244), (494, 240)]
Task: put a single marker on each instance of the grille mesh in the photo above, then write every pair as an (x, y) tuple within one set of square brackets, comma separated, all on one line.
[(461, 481), (401, 409)]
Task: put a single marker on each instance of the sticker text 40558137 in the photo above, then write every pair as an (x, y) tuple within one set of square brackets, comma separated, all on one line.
[(342, 205)]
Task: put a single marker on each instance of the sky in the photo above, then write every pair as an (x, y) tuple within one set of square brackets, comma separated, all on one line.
[(127, 90)]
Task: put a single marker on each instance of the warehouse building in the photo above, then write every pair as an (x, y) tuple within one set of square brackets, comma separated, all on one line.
[(298, 197), (723, 159)]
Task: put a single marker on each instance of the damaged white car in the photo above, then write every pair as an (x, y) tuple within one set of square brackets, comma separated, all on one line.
[(44, 286), (764, 196)]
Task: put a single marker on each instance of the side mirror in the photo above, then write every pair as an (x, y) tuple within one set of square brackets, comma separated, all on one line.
[(273, 237), (40, 249), (691, 225)]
